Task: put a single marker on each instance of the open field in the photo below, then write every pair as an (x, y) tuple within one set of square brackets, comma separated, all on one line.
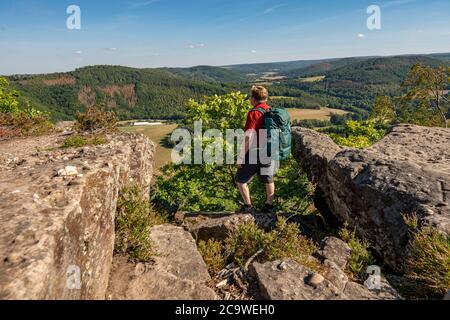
[(309, 114), (156, 134), (312, 79)]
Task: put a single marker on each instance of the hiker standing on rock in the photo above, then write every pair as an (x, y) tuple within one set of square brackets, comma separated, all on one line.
[(264, 125)]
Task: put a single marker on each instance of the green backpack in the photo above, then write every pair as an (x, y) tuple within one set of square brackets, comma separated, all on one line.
[(278, 119)]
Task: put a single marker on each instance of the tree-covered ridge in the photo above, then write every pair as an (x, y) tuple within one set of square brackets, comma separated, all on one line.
[(210, 74), (132, 93)]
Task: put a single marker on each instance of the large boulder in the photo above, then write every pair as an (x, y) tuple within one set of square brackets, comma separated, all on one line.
[(406, 173), (57, 210), (218, 225), (288, 280), (178, 272)]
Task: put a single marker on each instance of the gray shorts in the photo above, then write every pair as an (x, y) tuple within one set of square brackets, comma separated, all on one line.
[(247, 172)]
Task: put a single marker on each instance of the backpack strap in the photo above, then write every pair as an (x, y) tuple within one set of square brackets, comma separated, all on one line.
[(261, 110)]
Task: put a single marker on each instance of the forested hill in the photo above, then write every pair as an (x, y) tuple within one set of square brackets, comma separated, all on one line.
[(351, 84), (132, 93)]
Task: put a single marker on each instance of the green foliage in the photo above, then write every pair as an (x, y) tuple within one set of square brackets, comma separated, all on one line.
[(359, 134), (155, 93), (219, 112), (293, 190), (95, 119), (9, 102), (424, 101), (383, 111), (197, 187), (360, 257), (79, 141), (429, 261), (135, 216), (285, 241), (212, 253)]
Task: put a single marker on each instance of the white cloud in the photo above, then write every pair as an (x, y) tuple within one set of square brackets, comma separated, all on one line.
[(78, 52), (253, 51), (193, 46), (271, 9), (361, 35), (143, 3)]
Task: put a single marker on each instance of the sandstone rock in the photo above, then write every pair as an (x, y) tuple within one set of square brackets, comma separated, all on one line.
[(179, 272), (407, 172), (356, 291), (216, 227), (68, 171), (335, 250), (315, 280), (176, 253), (66, 232), (290, 283), (335, 275)]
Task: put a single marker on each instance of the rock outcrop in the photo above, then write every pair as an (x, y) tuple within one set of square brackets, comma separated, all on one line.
[(178, 273), (218, 226), (57, 210), (406, 173), (289, 280)]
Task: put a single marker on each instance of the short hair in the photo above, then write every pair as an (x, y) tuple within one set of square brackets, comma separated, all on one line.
[(260, 93)]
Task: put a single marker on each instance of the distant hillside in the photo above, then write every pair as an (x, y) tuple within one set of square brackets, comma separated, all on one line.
[(281, 67), (323, 67), (210, 74), (350, 84), (132, 93), (386, 70)]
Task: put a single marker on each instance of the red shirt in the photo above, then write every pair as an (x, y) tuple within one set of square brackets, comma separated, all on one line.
[(255, 119)]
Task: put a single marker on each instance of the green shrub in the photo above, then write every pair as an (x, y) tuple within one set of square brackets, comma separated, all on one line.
[(283, 242), (359, 134), (79, 141), (135, 216), (9, 102), (95, 119), (29, 122), (429, 261), (212, 253), (360, 257)]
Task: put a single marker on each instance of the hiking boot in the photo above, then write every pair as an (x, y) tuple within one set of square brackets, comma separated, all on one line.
[(269, 209), (246, 209)]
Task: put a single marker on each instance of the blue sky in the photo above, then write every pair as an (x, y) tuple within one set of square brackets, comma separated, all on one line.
[(154, 33)]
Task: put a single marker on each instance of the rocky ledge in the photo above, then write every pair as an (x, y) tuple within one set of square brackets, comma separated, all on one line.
[(57, 210), (406, 173)]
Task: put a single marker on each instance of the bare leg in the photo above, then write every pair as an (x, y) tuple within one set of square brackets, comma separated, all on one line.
[(270, 192), (245, 193)]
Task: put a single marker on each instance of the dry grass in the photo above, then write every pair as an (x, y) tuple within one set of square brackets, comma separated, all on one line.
[(309, 114), (212, 253), (285, 241), (429, 261), (157, 135)]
